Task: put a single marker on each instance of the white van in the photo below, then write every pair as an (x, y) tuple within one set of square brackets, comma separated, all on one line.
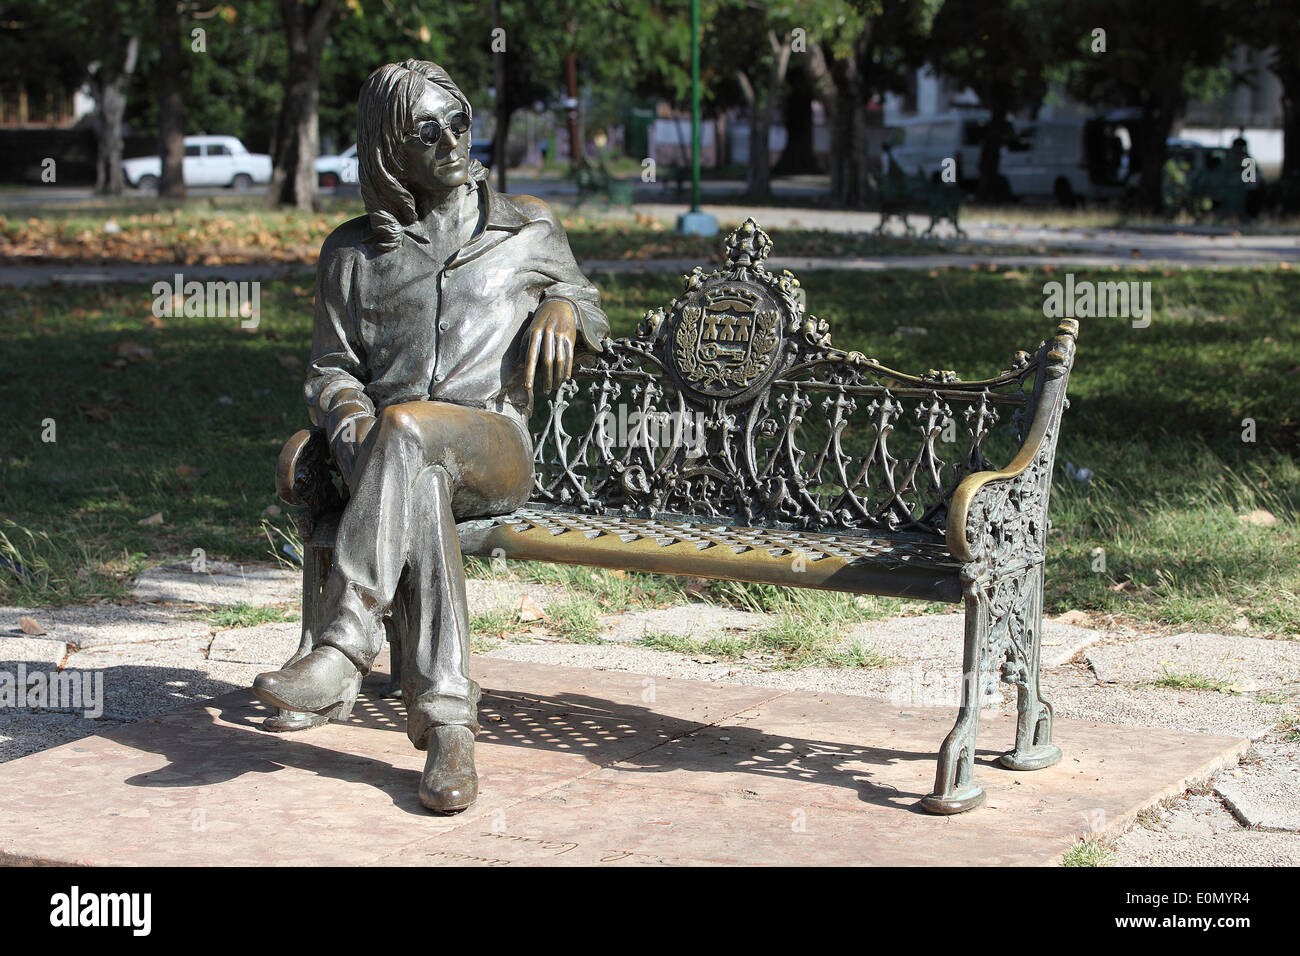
[(1067, 159), (924, 143)]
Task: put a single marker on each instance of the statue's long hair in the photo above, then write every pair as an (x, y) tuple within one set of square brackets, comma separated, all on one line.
[(384, 118)]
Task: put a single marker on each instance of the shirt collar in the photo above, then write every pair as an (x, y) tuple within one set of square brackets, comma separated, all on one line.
[(502, 216)]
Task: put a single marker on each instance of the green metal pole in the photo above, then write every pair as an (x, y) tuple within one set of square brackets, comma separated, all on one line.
[(695, 105)]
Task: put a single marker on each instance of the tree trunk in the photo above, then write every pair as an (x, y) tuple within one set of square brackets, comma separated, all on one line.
[(799, 155), (990, 189), (297, 132), (841, 87), (824, 85), (1156, 126), (1290, 80), (760, 160), (108, 87), (571, 84), (171, 100), (500, 139), (751, 110), (503, 106)]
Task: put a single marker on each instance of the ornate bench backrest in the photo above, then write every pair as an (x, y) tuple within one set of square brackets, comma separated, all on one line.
[(732, 407)]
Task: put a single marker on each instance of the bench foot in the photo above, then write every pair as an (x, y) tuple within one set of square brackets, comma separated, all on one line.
[(1031, 758), (955, 790), (1034, 749), (959, 801)]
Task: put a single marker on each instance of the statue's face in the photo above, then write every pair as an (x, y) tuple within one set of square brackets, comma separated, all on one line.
[(445, 164)]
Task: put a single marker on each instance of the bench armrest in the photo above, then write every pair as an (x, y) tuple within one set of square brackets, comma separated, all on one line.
[(1012, 501), (304, 472)]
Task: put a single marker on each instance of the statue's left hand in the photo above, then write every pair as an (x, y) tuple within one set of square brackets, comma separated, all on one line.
[(551, 341)]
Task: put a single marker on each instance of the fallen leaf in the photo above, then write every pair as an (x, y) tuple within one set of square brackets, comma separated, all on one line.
[(30, 626), (154, 519), (187, 471), (1260, 518), (1076, 618), (133, 351), (528, 609), (94, 413), (696, 588)]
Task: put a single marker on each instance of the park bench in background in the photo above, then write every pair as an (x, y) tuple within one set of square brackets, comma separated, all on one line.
[(678, 176), (899, 195), (765, 454), (1219, 192), (595, 181)]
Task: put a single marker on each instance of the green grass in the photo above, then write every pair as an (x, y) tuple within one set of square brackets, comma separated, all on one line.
[(577, 619), (808, 629), (617, 589), (1156, 414), (247, 615), (1193, 680), (1290, 728), (57, 567), (1088, 852), (1272, 697), (493, 623)]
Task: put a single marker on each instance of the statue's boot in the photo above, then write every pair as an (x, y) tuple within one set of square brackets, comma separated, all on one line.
[(324, 682), (449, 783)]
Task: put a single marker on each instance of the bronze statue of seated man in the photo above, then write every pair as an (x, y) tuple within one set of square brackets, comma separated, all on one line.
[(435, 313)]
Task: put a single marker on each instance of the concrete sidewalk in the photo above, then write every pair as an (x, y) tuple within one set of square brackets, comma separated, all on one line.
[(863, 739), (582, 767)]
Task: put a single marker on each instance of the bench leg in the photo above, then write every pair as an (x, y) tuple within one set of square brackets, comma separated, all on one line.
[(395, 626), (316, 564), (1034, 748), (955, 790)]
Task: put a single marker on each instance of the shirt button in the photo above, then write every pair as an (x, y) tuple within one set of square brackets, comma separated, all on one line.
[(438, 377), (442, 326)]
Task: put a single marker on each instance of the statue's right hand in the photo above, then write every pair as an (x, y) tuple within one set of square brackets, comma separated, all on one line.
[(347, 445)]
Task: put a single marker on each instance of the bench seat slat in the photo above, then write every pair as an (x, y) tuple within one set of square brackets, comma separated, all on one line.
[(896, 567)]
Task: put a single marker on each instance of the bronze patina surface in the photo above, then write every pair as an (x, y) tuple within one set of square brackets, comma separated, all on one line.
[(729, 438), (435, 313)]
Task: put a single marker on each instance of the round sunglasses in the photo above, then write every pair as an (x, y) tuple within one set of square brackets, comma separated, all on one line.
[(431, 131)]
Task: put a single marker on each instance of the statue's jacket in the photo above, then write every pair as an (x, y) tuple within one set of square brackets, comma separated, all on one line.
[(400, 325)]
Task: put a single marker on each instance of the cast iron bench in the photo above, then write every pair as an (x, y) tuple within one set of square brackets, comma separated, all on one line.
[(1220, 193), (898, 195), (773, 457)]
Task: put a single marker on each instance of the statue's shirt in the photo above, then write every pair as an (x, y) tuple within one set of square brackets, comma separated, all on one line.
[(405, 326)]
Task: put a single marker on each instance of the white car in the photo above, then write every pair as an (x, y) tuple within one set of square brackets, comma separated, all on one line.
[(209, 161), (335, 170)]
